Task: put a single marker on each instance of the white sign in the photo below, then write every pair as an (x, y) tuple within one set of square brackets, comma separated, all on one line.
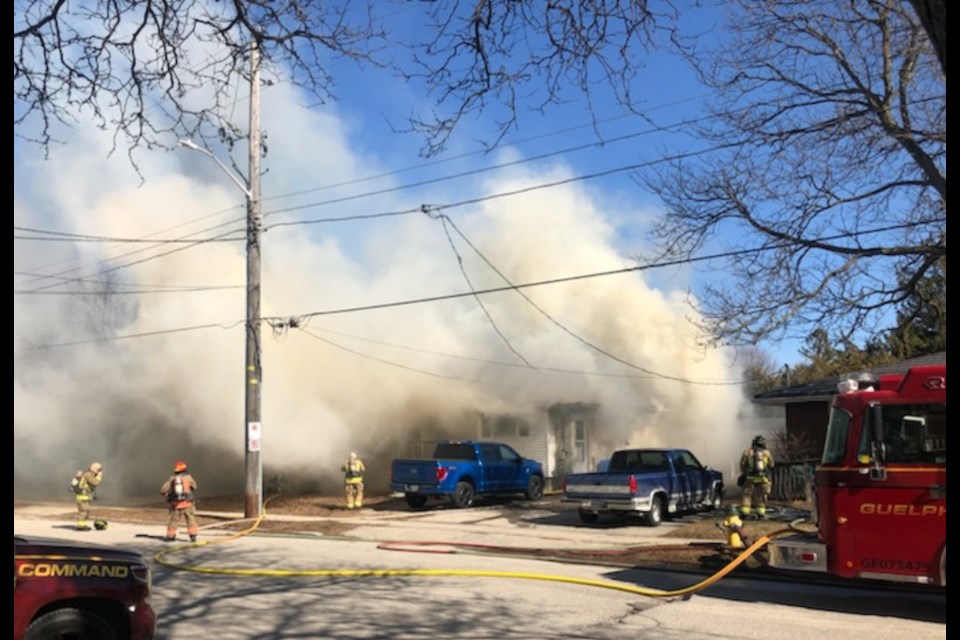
[(253, 436)]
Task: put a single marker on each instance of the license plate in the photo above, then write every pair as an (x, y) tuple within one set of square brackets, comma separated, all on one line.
[(411, 487)]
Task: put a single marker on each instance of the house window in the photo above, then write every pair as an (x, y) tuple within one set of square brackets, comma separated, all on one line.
[(505, 427)]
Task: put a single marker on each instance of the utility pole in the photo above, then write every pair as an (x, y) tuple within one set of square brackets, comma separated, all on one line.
[(253, 368), (253, 375)]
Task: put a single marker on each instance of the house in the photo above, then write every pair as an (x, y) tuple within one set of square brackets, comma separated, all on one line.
[(807, 406), (560, 438)]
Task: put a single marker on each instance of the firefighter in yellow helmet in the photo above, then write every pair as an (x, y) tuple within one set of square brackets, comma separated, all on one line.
[(756, 464), (353, 470), (180, 491), (85, 485)]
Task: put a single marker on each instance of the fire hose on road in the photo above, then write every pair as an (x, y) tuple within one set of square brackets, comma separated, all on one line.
[(160, 558)]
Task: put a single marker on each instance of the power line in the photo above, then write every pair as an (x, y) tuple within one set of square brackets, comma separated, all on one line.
[(62, 236), (381, 360), (498, 363), (301, 320), (130, 336)]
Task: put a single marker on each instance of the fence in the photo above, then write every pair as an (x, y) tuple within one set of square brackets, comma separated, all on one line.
[(793, 480)]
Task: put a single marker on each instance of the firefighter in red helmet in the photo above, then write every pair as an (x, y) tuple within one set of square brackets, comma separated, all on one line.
[(180, 491)]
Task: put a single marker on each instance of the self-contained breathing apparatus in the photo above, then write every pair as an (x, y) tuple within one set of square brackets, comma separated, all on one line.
[(75, 484), (759, 462), (179, 492)]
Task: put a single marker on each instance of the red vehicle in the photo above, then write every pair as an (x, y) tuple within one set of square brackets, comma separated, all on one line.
[(881, 485), (64, 589)]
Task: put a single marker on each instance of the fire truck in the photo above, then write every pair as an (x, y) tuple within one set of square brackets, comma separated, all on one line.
[(880, 488)]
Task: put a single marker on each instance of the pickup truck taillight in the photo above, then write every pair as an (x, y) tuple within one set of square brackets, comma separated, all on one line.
[(633, 483), (442, 473)]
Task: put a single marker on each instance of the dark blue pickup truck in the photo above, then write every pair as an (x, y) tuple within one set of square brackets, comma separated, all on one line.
[(646, 483), (461, 471)]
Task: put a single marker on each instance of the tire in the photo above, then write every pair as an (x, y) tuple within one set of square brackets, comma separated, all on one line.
[(534, 488), (716, 498), (463, 495), (655, 517), (74, 624), (589, 517), (415, 501)]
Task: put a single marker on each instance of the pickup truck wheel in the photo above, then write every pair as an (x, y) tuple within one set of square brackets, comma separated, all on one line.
[(589, 517), (716, 499), (415, 501), (534, 488), (72, 624), (463, 495), (655, 517)]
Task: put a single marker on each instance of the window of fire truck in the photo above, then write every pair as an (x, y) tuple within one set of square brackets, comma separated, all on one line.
[(912, 434), (838, 429)]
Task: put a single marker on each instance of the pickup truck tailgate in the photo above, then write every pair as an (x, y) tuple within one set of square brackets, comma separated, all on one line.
[(597, 485), (414, 475)]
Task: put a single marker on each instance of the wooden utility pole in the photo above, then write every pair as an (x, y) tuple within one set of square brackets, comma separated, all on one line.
[(253, 375)]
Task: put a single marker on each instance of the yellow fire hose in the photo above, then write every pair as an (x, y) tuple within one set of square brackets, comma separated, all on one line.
[(384, 573)]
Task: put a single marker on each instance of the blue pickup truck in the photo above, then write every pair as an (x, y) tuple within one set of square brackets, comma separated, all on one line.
[(645, 483), (461, 471)]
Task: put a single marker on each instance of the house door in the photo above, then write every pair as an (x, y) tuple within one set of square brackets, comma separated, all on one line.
[(570, 437)]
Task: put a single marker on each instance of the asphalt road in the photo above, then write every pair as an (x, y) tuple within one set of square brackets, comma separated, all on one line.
[(259, 586)]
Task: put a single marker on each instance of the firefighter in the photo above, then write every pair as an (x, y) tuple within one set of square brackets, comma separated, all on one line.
[(180, 491), (353, 470), (756, 464), (86, 489)]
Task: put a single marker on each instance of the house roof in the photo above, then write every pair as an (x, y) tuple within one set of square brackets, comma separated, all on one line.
[(827, 388)]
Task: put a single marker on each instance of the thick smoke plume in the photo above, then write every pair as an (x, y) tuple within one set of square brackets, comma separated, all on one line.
[(367, 381)]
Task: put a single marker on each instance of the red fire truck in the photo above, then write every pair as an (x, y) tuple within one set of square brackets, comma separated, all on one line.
[(880, 488)]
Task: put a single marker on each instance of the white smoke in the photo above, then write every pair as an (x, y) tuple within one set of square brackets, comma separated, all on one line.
[(338, 382)]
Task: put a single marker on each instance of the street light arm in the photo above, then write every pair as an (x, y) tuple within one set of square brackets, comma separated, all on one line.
[(190, 144)]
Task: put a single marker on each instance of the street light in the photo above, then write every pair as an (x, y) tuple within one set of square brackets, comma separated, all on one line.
[(253, 492), (190, 144), (253, 503), (253, 372)]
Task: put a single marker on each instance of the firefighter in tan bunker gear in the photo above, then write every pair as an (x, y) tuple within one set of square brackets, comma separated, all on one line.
[(180, 490), (756, 464), (85, 486), (353, 470)]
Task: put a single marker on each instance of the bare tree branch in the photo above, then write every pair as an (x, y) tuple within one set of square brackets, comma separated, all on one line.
[(153, 71), (933, 17), (838, 112), (493, 56)]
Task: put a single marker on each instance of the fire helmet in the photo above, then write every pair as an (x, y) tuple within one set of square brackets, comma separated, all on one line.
[(179, 466), (96, 467), (99, 524), (760, 442)]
